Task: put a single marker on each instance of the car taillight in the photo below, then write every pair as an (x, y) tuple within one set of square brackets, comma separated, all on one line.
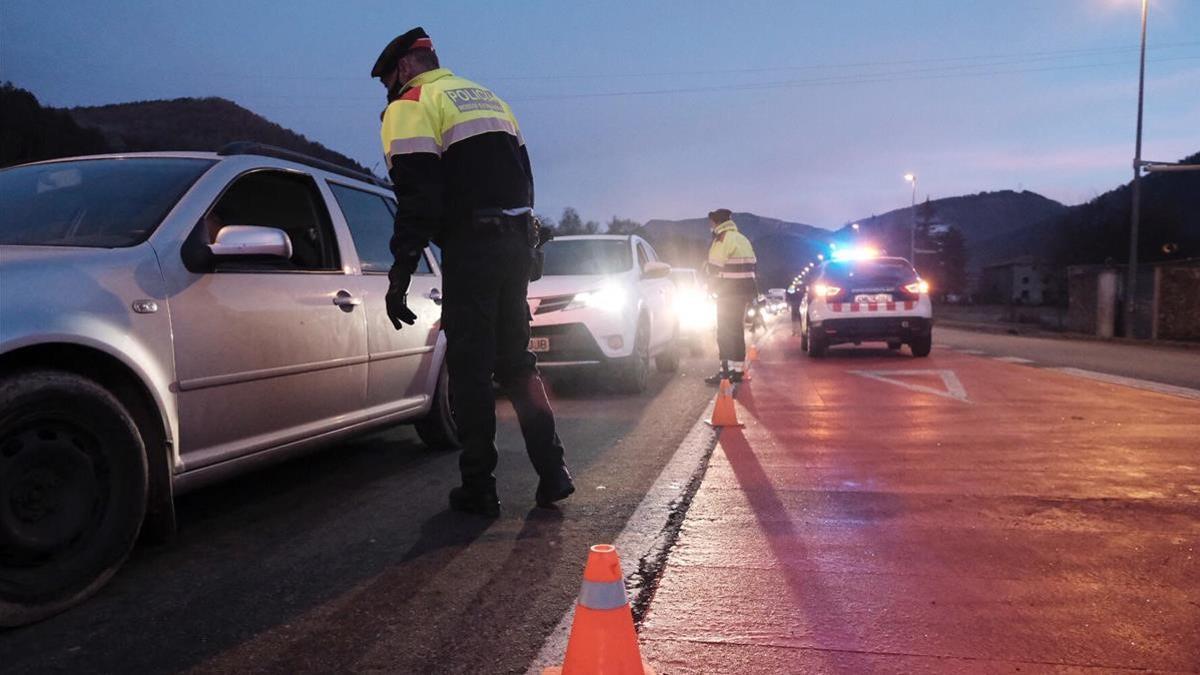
[(917, 287), (825, 291)]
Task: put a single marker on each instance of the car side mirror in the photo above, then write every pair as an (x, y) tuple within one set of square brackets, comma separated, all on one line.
[(656, 270), (237, 241)]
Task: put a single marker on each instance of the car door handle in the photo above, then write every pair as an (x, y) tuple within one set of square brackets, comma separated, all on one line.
[(435, 295), (346, 301)]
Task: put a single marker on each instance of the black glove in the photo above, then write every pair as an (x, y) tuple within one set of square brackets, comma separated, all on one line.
[(397, 304)]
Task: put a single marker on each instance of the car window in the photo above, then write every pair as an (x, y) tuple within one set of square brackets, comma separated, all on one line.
[(859, 273), (643, 257), (370, 218), (286, 201), (586, 256), (94, 202)]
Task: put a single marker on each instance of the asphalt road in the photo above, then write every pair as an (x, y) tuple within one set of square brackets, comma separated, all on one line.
[(349, 560), (1168, 365), (962, 513)]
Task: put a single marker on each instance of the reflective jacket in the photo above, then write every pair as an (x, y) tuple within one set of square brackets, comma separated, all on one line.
[(452, 147), (731, 262)]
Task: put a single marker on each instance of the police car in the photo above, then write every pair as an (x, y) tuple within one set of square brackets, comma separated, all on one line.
[(865, 297)]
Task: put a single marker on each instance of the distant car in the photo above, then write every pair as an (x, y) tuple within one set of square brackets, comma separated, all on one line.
[(864, 300), (605, 305), (696, 310), (170, 319), (756, 313)]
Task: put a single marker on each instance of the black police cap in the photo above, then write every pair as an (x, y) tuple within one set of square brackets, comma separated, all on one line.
[(416, 38)]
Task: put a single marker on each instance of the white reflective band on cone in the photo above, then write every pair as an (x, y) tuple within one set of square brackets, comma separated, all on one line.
[(602, 594)]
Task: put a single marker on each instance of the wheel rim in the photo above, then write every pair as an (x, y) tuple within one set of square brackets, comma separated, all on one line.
[(53, 490)]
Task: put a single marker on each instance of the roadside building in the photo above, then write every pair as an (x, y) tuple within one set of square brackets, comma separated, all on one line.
[(1025, 280)]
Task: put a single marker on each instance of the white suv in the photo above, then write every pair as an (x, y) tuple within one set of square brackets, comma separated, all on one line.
[(862, 300), (604, 303)]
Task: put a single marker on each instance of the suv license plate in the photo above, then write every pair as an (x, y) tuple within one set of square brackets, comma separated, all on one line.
[(873, 297), (539, 344)]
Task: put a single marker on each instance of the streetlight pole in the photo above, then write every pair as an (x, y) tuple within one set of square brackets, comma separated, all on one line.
[(1131, 280), (912, 230)]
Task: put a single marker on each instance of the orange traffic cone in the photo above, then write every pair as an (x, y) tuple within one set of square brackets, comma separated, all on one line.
[(602, 639), (724, 413)]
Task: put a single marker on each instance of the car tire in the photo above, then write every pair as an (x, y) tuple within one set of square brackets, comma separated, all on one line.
[(632, 375), (921, 346), (815, 346), (438, 430), (73, 489), (667, 360)]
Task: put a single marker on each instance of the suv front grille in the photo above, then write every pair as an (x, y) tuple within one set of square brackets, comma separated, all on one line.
[(553, 303)]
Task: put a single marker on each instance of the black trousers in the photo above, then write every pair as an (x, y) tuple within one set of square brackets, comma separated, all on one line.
[(731, 329), (486, 319)]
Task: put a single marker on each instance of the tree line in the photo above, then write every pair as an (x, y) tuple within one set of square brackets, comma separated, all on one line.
[(570, 222)]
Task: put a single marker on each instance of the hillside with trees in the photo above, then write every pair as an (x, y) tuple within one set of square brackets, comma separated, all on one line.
[(32, 131)]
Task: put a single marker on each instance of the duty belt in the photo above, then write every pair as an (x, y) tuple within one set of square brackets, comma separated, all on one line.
[(502, 220)]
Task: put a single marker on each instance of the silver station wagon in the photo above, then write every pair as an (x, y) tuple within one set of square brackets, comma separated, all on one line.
[(171, 319)]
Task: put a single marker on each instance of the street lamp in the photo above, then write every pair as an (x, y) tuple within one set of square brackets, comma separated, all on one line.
[(1131, 281), (855, 228), (912, 230)]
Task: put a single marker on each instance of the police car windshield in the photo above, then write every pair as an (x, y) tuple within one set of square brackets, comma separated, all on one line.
[(586, 256), (883, 272), (103, 203)]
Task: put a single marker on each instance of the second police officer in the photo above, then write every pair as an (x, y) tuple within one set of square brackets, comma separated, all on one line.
[(731, 269), (462, 178)]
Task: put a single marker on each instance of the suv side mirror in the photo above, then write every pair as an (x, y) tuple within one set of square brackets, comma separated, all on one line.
[(656, 270), (236, 241)]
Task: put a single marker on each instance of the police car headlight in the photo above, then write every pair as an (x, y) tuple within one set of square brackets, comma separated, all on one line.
[(610, 297)]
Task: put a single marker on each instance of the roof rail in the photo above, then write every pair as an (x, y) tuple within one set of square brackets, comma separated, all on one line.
[(252, 148)]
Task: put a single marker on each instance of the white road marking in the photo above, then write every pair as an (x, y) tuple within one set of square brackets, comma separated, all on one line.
[(645, 534), (972, 352), (953, 388), (1147, 385), (1012, 359)]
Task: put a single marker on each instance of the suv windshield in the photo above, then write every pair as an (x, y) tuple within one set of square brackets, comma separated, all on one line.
[(586, 256), (93, 202), (882, 273)]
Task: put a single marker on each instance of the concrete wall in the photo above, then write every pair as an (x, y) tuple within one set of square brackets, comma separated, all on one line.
[(1167, 305), (1178, 307)]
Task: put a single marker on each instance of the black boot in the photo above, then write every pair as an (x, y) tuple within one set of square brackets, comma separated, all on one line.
[(721, 374), (555, 487), (482, 502)]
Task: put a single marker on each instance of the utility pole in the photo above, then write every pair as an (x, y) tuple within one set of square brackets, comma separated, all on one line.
[(1134, 214), (912, 230)]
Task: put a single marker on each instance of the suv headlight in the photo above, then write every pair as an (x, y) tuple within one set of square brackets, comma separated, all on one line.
[(610, 297)]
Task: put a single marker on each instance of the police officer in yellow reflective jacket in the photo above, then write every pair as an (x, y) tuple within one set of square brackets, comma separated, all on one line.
[(731, 271), (462, 178)]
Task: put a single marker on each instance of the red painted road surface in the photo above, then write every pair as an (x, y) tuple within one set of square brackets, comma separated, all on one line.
[(1018, 519)]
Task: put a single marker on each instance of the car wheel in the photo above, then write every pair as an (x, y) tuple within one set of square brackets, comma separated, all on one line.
[(921, 346), (667, 361), (632, 376), (73, 486), (815, 344), (438, 430)]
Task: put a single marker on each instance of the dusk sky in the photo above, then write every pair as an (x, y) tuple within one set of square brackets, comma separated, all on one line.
[(807, 111)]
